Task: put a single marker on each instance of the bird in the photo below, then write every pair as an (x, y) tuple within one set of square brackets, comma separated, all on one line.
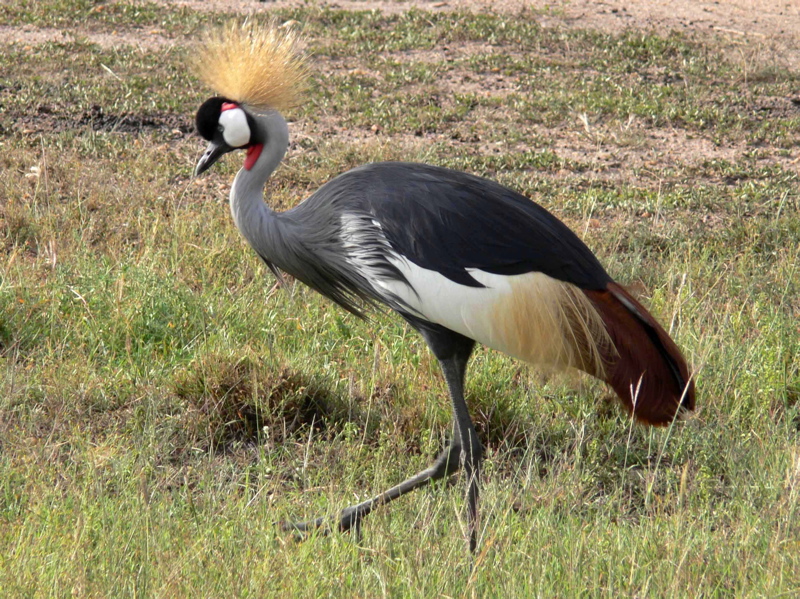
[(462, 259)]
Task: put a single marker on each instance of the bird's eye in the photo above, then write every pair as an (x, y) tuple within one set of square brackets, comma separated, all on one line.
[(220, 128)]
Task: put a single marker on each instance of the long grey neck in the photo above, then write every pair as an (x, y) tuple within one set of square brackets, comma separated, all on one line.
[(256, 221)]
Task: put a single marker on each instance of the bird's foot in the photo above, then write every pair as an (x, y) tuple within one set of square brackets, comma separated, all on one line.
[(350, 519), (303, 528)]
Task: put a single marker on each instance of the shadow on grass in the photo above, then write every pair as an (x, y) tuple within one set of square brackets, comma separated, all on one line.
[(233, 401)]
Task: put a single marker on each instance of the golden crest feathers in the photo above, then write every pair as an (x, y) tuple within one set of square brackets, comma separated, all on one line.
[(253, 63)]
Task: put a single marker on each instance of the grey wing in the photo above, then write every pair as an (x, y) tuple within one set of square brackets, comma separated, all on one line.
[(451, 222), (441, 220)]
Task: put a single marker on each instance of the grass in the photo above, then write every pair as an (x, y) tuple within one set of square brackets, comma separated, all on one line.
[(162, 404)]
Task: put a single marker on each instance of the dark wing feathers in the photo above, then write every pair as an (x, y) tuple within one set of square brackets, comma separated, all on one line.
[(450, 221)]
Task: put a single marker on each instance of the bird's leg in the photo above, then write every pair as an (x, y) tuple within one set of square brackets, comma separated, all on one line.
[(453, 352), (471, 450), (446, 464)]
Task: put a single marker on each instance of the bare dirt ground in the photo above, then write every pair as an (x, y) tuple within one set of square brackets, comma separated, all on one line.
[(754, 31), (774, 24)]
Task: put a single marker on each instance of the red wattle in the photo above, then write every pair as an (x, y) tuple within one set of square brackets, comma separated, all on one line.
[(253, 152), (228, 106)]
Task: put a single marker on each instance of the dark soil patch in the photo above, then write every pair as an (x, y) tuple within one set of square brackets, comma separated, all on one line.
[(47, 119), (98, 120), (778, 107)]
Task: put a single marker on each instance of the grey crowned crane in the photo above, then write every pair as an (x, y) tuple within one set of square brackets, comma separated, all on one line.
[(461, 258)]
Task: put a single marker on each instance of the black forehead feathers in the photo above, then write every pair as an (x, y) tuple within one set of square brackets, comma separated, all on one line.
[(207, 117)]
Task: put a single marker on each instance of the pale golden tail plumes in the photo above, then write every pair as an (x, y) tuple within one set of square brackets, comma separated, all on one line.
[(551, 323), (260, 65), (603, 332)]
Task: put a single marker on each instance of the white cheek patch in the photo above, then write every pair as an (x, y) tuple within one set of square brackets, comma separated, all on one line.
[(235, 129)]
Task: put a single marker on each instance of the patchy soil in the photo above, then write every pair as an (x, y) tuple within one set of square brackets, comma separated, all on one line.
[(29, 35), (604, 153), (49, 119), (772, 23), (758, 31), (98, 120)]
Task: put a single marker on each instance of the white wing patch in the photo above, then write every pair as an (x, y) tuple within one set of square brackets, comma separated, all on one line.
[(438, 299), (529, 316), (368, 251), (364, 243)]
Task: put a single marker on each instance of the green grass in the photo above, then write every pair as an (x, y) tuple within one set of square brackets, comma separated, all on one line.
[(162, 404)]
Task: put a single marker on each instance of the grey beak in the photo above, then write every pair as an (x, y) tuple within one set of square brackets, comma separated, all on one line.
[(214, 152)]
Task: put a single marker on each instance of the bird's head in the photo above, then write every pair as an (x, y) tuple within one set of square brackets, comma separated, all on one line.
[(227, 126), (257, 70)]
